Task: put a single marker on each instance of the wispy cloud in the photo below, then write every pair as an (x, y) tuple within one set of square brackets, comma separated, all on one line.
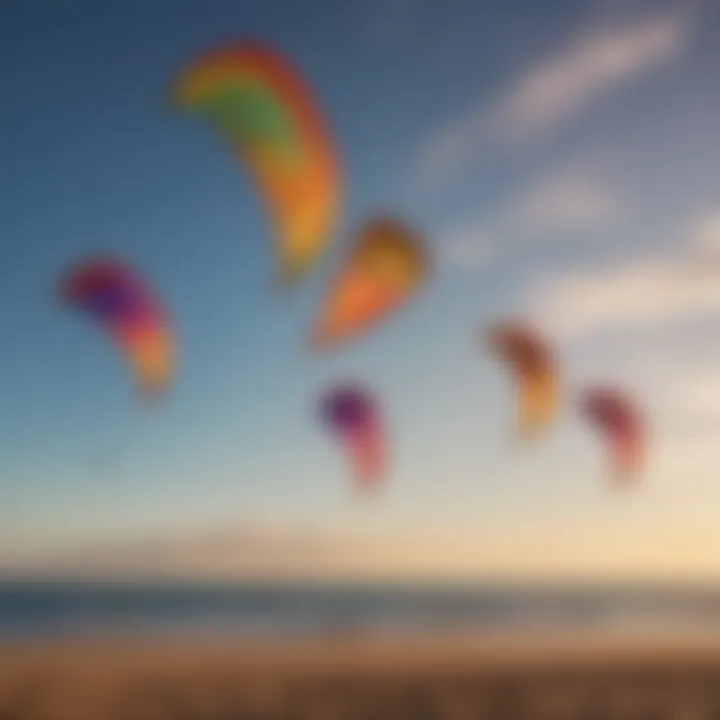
[(584, 71), (558, 89), (695, 396), (569, 199), (625, 296), (651, 290), (588, 302), (705, 235)]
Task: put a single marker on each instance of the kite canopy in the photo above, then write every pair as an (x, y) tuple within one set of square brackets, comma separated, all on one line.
[(115, 296), (531, 360), (351, 414), (265, 111), (386, 267), (616, 416)]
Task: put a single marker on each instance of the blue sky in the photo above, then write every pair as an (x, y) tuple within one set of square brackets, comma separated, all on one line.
[(563, 164)]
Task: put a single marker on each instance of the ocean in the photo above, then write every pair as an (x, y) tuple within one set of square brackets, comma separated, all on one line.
[(40, 610)]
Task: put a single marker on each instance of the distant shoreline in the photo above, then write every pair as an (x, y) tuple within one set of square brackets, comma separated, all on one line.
[(302, 613)]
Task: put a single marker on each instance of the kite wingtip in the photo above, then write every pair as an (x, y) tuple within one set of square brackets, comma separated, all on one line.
[(320, 340), (62, 295), (174, 97), (152, 391), (288, 282), (368, 485), (626, 480), (527, 433), (293, 273)]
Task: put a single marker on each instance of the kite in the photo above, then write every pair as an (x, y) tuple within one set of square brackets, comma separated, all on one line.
[(386, 267), (261, 106), (618, 419), (114, 295), (534, 367), (351, 414)]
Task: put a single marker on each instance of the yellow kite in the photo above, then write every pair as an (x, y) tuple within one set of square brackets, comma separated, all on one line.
[(534, 367), (387, 265)]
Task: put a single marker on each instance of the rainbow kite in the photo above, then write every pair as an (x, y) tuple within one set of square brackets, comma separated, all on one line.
[(263, 109)]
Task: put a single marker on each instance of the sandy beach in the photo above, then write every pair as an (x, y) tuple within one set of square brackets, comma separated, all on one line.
[(493, 677)]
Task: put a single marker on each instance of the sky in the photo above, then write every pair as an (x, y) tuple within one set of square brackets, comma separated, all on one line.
[(561, 161)]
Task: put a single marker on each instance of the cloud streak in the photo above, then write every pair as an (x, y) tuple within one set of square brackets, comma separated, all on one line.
[(655, 290), (580, 74), (570, 199), (647, 292), (558, 89), (567, 200)]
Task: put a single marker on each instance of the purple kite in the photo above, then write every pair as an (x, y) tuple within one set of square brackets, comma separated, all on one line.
[(351, 413)]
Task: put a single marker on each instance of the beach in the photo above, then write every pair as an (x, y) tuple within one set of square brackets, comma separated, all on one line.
[(541, 676)]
